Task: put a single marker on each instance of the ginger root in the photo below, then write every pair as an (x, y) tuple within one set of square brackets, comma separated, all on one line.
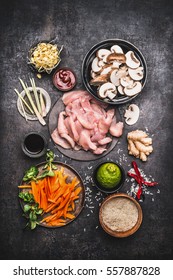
[(139, 144)]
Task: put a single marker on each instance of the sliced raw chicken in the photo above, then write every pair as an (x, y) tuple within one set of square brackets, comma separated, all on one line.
[(73, 95), (105, 141), (85, 141), (85, 123), (116, 129), (100, 150), (59, 140)]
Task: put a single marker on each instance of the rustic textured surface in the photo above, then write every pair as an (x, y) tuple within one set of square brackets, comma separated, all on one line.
[(78, 25)]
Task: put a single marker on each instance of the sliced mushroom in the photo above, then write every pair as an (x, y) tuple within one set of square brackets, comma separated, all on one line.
[(101, 63), (105, 89), (119, 57), (93, 74), (136, 74), (95, 66), (126, 81), (99, 80), (106, 70), (116, 75), (121, 89), (132, 114), (111, 95), (131, 91), (102, 54), (116, 49), (131, 60)]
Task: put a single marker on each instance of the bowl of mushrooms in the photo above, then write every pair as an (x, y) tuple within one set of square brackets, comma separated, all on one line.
[(114, 71)]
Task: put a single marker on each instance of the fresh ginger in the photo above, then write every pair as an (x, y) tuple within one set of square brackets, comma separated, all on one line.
[(139, 144)]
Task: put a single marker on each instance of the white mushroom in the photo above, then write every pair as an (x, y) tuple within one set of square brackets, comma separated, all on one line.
[(95, 66), (93, 74), (106, 70), (131, 91), (116, 49), (105, 89), (101, 63), (116, 75), (131, 60), (136, 74), (111, 95), (131, 114), (126, 81), (102, 54), (121, 89)]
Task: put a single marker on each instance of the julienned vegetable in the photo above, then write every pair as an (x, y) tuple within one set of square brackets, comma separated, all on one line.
[(53, 196), (49, 193)]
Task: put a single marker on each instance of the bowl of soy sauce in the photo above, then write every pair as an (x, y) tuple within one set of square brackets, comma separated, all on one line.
[(34, 144)]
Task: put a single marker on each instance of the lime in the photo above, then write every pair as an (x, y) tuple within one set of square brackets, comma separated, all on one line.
[(108, 175)]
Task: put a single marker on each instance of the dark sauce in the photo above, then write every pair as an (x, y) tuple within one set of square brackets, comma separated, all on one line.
[(34, 144)]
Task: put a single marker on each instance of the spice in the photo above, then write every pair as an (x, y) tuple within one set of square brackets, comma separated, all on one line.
[(140, 180)]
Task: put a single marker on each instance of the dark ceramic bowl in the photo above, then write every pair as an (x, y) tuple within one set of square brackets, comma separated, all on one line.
[(107, 44), (108, 190), (34, 144)]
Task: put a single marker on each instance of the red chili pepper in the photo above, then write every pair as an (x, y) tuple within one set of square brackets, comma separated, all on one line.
[(140, 180)]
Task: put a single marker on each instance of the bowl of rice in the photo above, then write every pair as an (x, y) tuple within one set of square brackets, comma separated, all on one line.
[(120, 215)]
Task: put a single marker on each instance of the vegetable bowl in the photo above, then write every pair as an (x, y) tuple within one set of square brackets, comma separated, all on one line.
[(51, 200), (114, 71)]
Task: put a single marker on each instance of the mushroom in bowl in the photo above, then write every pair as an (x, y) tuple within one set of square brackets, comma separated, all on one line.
[(114, 71)]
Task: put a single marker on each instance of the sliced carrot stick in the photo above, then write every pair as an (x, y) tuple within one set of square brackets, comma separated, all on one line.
[(70, 216), (25, 187)]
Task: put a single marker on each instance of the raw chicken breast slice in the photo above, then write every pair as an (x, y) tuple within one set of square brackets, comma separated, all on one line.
[(85, 141), (63, 131), (116, 129), (105, 141), (73, 95), (100, 150), (59, 140)]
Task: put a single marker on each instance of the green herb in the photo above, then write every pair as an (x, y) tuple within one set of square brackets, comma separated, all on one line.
[(31, 174), (49, 165), (31, 209)]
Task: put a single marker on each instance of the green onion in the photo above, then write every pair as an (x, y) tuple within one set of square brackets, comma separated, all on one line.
[(40, 118)]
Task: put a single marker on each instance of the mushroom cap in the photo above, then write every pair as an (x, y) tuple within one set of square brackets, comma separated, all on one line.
[(95, 67), (132, 114), (105, 88), (116, 75), (136, 74), (106, 70), (116, 49), (121, 89), (131, 91), (131, 60), (126, 81), (102, 53), (111, 94)]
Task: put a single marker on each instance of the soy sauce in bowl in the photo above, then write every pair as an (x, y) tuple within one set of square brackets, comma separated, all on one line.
[(34, 144)]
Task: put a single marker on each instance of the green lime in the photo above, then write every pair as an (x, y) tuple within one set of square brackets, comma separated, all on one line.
[(108, 175)]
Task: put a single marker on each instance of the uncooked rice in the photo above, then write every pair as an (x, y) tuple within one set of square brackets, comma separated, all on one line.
[(120, 214)]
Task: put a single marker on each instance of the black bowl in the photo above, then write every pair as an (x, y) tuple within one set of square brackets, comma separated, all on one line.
[(106, 190), (107, 44)]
